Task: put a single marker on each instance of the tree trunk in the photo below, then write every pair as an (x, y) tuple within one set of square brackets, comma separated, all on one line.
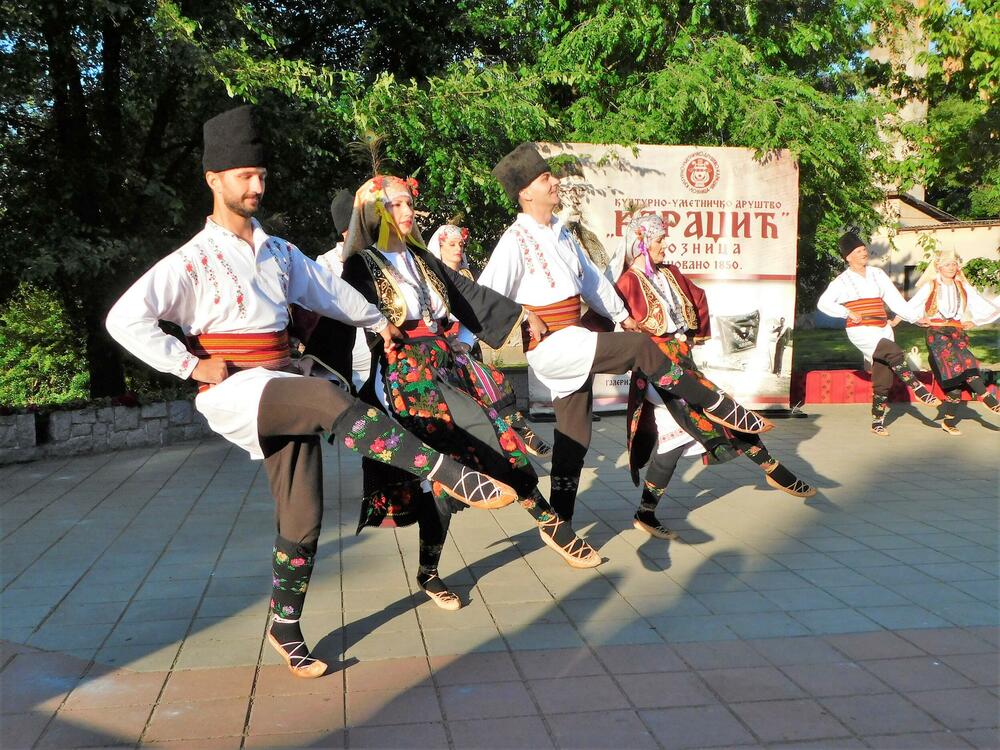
[(104, 360)]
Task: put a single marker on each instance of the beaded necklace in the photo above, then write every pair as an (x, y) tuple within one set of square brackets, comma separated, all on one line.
[(423, 294)]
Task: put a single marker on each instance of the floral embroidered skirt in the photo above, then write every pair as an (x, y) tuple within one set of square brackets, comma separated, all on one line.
[(719, 443), (951, 357), (458, 406)]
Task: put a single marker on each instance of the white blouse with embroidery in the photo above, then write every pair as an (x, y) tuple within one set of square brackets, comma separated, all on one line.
[(949, 304), (333, 260), (406, 269), (540, 265), (217, 283)]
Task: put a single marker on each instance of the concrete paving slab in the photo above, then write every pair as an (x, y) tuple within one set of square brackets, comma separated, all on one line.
[(866, 615)]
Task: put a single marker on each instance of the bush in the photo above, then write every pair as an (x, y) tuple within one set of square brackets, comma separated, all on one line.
[(983, 273), (42, 358)]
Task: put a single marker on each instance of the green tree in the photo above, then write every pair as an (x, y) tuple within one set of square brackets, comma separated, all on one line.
[(957, 154), (101, 106), (41, 356)]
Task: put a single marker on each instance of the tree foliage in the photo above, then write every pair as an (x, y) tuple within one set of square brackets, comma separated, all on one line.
[(957, 152), (41, 356), (101, 112)]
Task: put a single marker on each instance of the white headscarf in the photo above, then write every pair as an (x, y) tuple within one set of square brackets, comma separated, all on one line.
[(642, 231), (931, 273), (447, 230)]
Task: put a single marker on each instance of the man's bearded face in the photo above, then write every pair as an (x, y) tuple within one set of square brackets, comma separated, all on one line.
[(242, 189)]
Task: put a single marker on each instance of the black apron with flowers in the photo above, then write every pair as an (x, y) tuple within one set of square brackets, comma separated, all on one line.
[(453, 402)]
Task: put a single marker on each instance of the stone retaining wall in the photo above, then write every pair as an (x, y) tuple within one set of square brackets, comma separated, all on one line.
[(26, 437)]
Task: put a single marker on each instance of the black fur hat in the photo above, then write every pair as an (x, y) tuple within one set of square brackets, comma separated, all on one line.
[(519, 168), (232, 140), (848, 243)]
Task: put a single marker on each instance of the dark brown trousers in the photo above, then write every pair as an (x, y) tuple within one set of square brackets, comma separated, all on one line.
[(292, 414), (616, 353), (887, 355)]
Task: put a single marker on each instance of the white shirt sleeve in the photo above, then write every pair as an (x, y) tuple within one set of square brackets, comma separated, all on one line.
[(164, 292), (504, 268), (599, 293), (892, 297), (981, 310), (916, 304), (313, 287), (829, 301)]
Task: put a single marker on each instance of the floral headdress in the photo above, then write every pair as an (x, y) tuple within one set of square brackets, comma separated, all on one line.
[(445, 231), (642, 231), (931, 272), (371, 219)]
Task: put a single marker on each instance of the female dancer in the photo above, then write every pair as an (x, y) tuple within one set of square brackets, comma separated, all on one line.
[(430, 388), (945, 298), (447, 244), (674, 312)]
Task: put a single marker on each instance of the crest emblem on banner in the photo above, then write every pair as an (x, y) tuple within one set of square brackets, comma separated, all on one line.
[(700, 172)]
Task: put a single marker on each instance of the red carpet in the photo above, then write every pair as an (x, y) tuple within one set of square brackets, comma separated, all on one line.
[(851, 387)]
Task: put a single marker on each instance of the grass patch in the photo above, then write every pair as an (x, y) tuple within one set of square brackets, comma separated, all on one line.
[(823, 348)]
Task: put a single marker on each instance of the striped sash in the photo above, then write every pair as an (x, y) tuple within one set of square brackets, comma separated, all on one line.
[(419, 329), (242, 351), (556, 316), (871, 310), (944, 323)]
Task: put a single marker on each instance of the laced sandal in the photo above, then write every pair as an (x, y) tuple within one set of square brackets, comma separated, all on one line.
[(478, 490), (925, 397), (730, 414), (878, 428), (576, 552), (929, 400), (787, 482), (297, 658), (994, 406), (950, 429), (532, 443), (445, 599), (657, 530)]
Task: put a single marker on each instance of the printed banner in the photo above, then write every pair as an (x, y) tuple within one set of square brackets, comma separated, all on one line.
[(732, 228)]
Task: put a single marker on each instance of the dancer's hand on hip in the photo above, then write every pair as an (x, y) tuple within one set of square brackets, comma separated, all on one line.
[(210, 371), (389, 335), (536, 326)]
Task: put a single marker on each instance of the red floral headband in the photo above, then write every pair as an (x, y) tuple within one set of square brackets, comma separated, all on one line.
[(381, 182)]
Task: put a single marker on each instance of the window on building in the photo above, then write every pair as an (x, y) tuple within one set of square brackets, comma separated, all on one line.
[(910, 276)]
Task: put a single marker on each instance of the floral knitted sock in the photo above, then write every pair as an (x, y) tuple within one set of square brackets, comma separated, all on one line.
[(880, 405), (919, 389), (538, 507), (978, 386), (292, 566)]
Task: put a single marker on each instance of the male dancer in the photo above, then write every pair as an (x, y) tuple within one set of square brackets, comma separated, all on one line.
[(229, 289), (861, 294), (537, 263)]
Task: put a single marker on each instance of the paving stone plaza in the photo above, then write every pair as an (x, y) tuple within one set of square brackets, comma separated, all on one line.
[(135, 587)]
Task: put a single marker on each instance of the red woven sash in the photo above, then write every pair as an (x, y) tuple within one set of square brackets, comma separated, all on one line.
[(418, 328), (556, 316), (945, 323), (871, 310), (243, 350)]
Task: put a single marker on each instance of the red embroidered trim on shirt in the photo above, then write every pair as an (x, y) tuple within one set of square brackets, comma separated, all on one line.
[(527, 250)]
